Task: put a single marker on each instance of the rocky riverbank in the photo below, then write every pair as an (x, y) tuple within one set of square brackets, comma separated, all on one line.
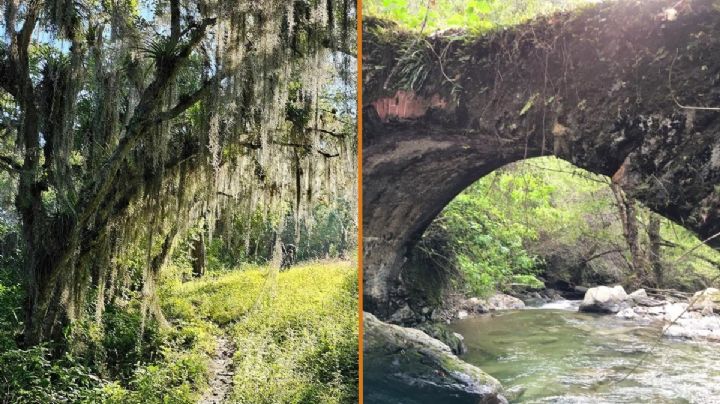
[(694, 318), (399, 359), (683, 316), (423, 359)]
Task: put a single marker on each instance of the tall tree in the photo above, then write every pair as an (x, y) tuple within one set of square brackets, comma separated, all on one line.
[(131, 118)]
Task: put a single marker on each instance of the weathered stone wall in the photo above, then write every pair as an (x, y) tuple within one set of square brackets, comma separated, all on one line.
[(592, 87)]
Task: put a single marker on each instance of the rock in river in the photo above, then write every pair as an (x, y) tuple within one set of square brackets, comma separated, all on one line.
[(498, 301), (398, 360), (694, 320), (706, 301), (501, 301), (640, 293), (603, 299), (703, 328), (440, 332)]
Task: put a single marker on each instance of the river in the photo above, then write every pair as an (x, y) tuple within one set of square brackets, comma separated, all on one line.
[(556, 354)]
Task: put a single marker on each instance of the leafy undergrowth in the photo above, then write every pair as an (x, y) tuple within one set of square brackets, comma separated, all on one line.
[(169, 366), (295, 331)]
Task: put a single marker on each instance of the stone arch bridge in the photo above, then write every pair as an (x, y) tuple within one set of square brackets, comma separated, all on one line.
[(628, 89)]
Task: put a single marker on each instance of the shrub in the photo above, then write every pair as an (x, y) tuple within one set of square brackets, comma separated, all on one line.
[(10, 314), (30, 376), (121, 342)]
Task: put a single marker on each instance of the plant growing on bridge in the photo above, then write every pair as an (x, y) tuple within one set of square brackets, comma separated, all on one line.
[(471, 15)]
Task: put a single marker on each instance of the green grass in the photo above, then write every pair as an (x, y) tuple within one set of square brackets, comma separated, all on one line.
[(295, 331), (296, 334), (472, 15)]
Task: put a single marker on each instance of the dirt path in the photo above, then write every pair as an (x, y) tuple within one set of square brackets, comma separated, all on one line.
[(221, 373)]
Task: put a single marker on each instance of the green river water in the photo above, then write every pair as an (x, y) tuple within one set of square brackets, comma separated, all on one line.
[(562, 356)]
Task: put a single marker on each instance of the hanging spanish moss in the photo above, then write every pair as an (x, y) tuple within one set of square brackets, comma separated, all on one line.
[(145, 120)]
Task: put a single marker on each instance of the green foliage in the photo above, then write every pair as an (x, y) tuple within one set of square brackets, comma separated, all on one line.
[(327, 233), (122, 344), (11, 312), (178, 378), (30, 376), (296, 334), (528, 281), (486, 239), (687, 270), (113, 364), (473, 15), (546, 216)]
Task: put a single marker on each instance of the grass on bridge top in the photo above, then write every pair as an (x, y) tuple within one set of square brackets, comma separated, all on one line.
[(471, 15)]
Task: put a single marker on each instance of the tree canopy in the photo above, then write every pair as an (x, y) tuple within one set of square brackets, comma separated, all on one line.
[(124, 123)]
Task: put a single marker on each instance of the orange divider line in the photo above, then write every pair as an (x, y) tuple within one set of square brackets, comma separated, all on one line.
[(360, 200)]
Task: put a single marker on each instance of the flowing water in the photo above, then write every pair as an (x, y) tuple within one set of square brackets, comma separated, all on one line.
[(555, 354)]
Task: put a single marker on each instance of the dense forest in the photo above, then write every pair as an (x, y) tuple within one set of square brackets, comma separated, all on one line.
[(163, 166)]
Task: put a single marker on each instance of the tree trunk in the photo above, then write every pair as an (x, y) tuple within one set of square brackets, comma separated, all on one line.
[(45, 316), (627, 213), (654, 257), (150, 302), (198, 256)]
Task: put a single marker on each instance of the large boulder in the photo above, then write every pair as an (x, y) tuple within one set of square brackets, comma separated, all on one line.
[(498, 301), (706, 301), (501, 301), (641, 298), (440, 332), (407, 365), (475, 305), (640, 293), (603, 299)]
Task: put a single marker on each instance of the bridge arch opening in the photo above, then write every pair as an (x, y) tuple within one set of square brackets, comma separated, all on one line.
[(543, 229), (589, 87)]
